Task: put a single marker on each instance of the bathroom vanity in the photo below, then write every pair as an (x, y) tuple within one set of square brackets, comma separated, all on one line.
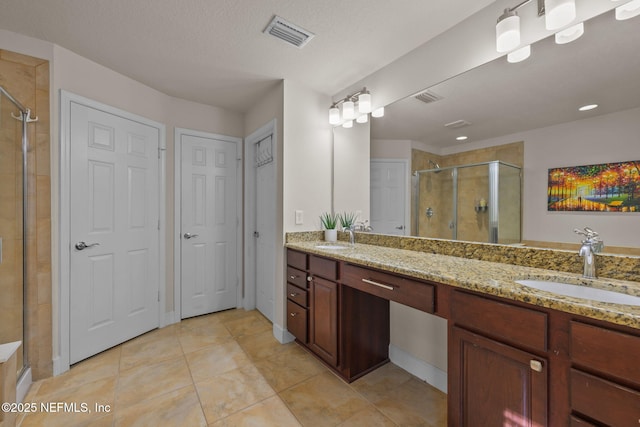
[(514, 354)]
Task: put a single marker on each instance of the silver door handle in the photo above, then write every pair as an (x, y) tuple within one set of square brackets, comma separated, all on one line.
[(189, 236), (400, 227), (82, 245)]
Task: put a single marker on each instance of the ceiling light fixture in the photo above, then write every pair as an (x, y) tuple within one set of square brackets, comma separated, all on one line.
[(508, 31), (588, 107), (378, 112), (519, 54), (628, 10), (461, 138), (559, 13), (355, 106)]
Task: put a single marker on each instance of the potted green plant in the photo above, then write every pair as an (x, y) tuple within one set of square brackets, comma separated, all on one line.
[(347, 219), (329, 223)]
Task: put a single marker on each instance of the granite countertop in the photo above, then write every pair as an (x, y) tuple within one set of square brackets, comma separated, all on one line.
[(492, 278)]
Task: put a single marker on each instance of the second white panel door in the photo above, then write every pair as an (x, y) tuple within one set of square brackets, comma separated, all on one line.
[(209, 225)]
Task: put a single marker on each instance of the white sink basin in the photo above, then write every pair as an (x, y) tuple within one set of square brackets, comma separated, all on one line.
[(332, 247), (583, 292)]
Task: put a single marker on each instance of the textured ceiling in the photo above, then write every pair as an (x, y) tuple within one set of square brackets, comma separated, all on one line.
[(214, 52)]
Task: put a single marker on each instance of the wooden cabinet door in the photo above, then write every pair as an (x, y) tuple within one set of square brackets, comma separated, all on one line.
[(323, 322), (493, 384)]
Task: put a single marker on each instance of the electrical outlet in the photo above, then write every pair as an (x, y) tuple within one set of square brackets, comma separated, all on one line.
[(299, 217)]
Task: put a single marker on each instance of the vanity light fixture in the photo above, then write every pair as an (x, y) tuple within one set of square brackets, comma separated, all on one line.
[(588, 107), (508, 31), (570, 34), (519, 54), (355, 106), (559, 13), (628, 10), (378, 112)]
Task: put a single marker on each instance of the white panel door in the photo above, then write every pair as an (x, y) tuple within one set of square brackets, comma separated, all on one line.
[(114, 201), (265, 242), (209, 225), (388, 197)]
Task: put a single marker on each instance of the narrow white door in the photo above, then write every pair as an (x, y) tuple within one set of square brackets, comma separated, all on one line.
[(114, 253), (388, 197), (265, 227), (209, 215)]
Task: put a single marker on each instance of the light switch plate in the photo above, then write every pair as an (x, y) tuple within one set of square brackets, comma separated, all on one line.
[(299, 217)]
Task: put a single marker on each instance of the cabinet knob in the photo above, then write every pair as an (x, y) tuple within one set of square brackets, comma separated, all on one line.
[(292, 277), (293, 314), (309, 279), (535, 365), (293, 294)]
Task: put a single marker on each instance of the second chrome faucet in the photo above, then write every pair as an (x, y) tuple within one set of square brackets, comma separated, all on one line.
[(591, 245)]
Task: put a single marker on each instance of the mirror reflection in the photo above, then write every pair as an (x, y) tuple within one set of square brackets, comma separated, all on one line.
[(480, 117)]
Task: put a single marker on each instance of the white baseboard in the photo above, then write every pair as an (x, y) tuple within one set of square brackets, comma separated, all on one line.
[(282, 335), (169, 319), (23, 385), (57, 366), (419, 368)]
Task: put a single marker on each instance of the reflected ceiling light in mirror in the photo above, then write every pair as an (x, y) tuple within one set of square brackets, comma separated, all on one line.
[(588, 107), (570, 34), (362, 118), (461, 138), (559, 13), (348, 124), (628, 10), (519, 54), (508, 31), (334, 115), (378, 112), (364, 102)]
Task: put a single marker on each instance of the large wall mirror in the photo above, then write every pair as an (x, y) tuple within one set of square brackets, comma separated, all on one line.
[(535, 103)]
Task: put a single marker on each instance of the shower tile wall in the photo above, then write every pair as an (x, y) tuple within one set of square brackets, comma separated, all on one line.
[(27, 79), (471, 226)]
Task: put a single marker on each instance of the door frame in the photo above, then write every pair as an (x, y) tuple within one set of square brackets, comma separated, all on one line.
[(61, 319), (177, 223), (407, 191), (249, 299)]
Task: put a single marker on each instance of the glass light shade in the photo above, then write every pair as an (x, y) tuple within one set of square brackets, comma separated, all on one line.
[(378, 112), (348, 124), (508, 32), (334, 115), (559, 13), (348, 110), (628, 10), (519, 54), (570, 34), (362, 118), (364, 103)]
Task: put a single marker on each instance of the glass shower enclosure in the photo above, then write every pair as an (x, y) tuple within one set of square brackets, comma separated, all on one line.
[(478, 202), (13, 231)]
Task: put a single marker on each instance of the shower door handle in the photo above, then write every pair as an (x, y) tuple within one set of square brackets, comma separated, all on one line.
[(82, 245)]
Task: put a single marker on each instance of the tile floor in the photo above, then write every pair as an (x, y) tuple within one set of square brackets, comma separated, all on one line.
[(226, 369)]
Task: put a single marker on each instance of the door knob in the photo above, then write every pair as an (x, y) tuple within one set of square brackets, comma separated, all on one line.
[(189, 236), (82, 245), (400, 227)]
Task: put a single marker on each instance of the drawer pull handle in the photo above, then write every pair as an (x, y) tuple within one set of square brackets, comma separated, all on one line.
[(294, 294), (535, 365), (293, 314), (371, 282)]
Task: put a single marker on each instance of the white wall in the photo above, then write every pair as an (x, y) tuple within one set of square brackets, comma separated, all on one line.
[(391, 149)]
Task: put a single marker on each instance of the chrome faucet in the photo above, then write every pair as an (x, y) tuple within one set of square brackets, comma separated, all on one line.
[(591, 245), (352, 234)]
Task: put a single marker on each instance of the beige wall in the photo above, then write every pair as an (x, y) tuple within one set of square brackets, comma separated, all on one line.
[(351, 170)]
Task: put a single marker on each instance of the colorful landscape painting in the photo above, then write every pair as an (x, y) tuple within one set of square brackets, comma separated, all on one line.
[(607, 187)]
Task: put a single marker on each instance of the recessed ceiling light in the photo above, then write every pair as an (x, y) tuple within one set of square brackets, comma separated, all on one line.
[(588, 107), (461, 138)]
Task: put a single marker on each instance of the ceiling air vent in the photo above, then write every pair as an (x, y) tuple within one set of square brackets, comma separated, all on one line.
[(288, 32), (428, 97), (457, 124)]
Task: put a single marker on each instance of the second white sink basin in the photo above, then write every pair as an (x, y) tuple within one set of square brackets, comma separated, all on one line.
[(332, 247), (584, 292)]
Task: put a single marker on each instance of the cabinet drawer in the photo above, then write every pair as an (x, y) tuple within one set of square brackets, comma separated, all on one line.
[(297, 277), (297, 259), (577, 422), (406, 291), (297, 321), (610, 352), (323, 267), (604, 401), (517, 325), (297, 295)]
